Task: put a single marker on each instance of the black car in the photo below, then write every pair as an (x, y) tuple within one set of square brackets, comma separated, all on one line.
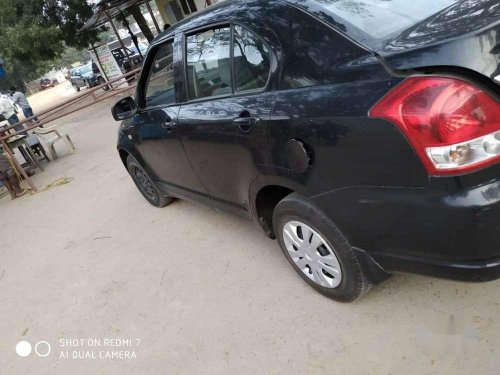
[(363, 135), (87, 75), (127, 61)]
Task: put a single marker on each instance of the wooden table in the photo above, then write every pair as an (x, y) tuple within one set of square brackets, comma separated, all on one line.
[(20, 142)]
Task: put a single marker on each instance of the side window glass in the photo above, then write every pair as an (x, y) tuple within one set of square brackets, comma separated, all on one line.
[(251, 61), (208, 63), (160, 85)]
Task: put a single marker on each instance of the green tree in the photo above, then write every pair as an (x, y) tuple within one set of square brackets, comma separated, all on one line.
[(71, 56), (35, 32)]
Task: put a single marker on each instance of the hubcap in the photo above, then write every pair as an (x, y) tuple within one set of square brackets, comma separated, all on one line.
[(312, 254), (144, 183)]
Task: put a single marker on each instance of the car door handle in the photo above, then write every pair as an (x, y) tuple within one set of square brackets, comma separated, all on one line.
[(246, 122), (168, 125)]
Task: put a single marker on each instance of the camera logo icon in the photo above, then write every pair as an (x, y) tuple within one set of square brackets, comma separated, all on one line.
[(24, 348)]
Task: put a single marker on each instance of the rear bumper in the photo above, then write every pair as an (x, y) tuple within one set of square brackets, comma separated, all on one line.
[(471, 270), (449, 229)]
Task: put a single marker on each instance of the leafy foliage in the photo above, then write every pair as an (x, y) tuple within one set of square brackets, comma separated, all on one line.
[(33, 33)]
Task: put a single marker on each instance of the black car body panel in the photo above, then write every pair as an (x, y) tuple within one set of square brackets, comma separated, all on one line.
[(453, 38), (313, 113)]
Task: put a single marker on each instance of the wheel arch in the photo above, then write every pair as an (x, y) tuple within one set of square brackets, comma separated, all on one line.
[(265, 193), (123, 156)]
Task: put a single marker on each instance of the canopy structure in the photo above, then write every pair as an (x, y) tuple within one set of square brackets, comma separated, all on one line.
[(106, 10)]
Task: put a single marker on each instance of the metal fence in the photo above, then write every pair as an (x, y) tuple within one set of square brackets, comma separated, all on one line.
[(83, 100)]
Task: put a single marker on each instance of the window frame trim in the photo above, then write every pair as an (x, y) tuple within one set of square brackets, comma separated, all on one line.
[(142, 88), (234, 93), (269, 74)]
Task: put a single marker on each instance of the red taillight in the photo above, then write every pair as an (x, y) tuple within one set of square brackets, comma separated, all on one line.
[(453, 125)]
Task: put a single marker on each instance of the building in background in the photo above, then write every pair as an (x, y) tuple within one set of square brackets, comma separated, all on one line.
[(173, 11), (149, 18)]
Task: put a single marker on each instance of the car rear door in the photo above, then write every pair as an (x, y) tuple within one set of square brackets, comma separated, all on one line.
[(77, 78), (224, 124), (156, 131)]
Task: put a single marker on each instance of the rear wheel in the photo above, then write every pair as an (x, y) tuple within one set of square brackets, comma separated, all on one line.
[(148, 188), (318, 250)]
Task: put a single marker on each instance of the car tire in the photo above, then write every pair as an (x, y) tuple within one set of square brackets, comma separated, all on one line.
[(148, 188), (331, 267)]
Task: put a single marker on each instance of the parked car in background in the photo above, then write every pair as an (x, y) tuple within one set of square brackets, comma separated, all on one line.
[(143, 48), (79, 74), (122, 60), (46, 83), (364, 136), (87, 75)]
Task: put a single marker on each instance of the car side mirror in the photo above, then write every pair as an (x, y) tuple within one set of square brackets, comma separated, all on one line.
[(124, 109)]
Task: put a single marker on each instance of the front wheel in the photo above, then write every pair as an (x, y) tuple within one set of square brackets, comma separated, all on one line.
[(148, 188), (318, 250)]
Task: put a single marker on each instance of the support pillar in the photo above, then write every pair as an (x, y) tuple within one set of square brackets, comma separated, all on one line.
[(118, 36), (153, 16)]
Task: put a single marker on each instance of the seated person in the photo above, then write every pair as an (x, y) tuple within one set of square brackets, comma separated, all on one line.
[(9, 178)]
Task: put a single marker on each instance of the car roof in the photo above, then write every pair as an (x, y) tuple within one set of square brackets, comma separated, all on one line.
[(323, 10), (200, 15), (313, 7), (327, 11)]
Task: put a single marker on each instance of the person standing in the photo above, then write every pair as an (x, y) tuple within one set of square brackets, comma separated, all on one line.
[(19, 98), (8, 111)]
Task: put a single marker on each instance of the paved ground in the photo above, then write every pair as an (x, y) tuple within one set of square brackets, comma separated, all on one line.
[(205, 292)]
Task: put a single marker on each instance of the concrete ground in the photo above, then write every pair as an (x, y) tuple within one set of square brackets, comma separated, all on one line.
[(204, 292)]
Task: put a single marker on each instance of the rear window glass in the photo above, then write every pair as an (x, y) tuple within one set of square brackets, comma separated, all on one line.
[(381, 18), (208, 63)]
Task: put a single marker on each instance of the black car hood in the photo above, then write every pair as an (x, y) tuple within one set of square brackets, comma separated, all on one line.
[(465, 35)]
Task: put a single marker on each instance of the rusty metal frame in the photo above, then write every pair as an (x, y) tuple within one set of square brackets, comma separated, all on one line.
[(153, 16), (110, 20)]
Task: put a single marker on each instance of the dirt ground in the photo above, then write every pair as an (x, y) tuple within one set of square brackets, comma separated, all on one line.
[(47, 98), (204, 292)]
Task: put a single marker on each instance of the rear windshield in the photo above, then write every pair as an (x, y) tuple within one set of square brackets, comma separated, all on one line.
[(86, 69), (381, 18)]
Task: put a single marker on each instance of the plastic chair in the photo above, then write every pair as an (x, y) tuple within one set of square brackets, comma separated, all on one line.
[(37, 147), (52, 135)]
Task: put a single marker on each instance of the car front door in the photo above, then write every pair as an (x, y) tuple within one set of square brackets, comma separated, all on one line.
[(156, 132), (224, 124)]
